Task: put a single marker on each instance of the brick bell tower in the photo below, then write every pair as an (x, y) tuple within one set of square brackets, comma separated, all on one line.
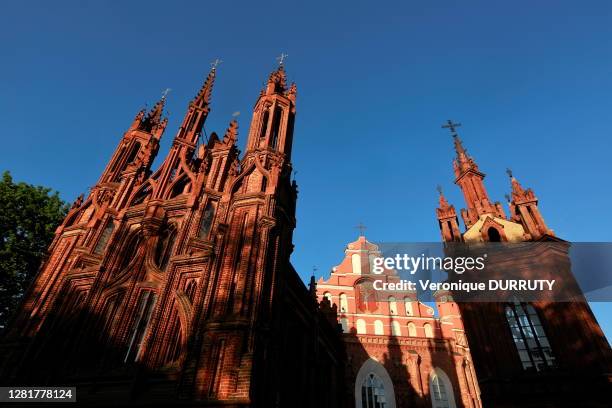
[(526, 353), (180, 275)]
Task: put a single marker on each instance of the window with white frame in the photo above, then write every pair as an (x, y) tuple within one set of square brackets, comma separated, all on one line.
[(373, 392)]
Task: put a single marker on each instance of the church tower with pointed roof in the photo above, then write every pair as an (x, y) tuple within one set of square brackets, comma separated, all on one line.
[(527, 352)]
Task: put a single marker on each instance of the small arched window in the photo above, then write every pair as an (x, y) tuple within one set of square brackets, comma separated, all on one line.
[(392, 305), (493, 235), (343, 303), (412, 329), (408, 306), (373, 392), (329, 297), (361, 327), (428, 330), (396, 330), (379, 328), (130, 250)]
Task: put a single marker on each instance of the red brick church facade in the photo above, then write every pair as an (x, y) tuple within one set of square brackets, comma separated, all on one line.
[(174, 287), (399, 353)]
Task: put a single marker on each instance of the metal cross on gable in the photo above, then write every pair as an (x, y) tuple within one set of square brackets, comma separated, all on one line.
[(281, 58), (452, 127), (361, 229)]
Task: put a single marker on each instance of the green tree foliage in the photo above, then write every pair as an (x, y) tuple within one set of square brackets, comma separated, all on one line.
[(29, 216)]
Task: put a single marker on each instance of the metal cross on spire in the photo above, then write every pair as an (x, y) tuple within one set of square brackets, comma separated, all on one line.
[(361, 229), (166, 92), (281, 58), (215, 63), (509, 172), (452, 127), (439, 189)]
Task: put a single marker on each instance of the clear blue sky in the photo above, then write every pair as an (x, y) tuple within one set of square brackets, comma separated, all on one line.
[(530, 81)]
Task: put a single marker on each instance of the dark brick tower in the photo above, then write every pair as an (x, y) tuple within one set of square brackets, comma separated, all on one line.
[(176, 285), (539, 353)]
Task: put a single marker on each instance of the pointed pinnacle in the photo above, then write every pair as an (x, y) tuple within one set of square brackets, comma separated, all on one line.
[(231, 134), (203, 97), (154, 116)]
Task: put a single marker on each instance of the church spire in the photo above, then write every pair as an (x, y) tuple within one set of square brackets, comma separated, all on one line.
[(199, 108), (154, 118), (203, 98), (471, 181)]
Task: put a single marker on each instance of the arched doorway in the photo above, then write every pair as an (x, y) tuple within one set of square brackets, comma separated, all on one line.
[(373, 386)]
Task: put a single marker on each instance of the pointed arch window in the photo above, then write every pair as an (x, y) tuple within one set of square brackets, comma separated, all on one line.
[(111, 306), (130, 251), (142, 195), (529, 337), (207, 219), (144, 310), (373, 392), (441, 390), (133, 152), (264, 124), (165, 246), (104, 237), (278, 113)]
